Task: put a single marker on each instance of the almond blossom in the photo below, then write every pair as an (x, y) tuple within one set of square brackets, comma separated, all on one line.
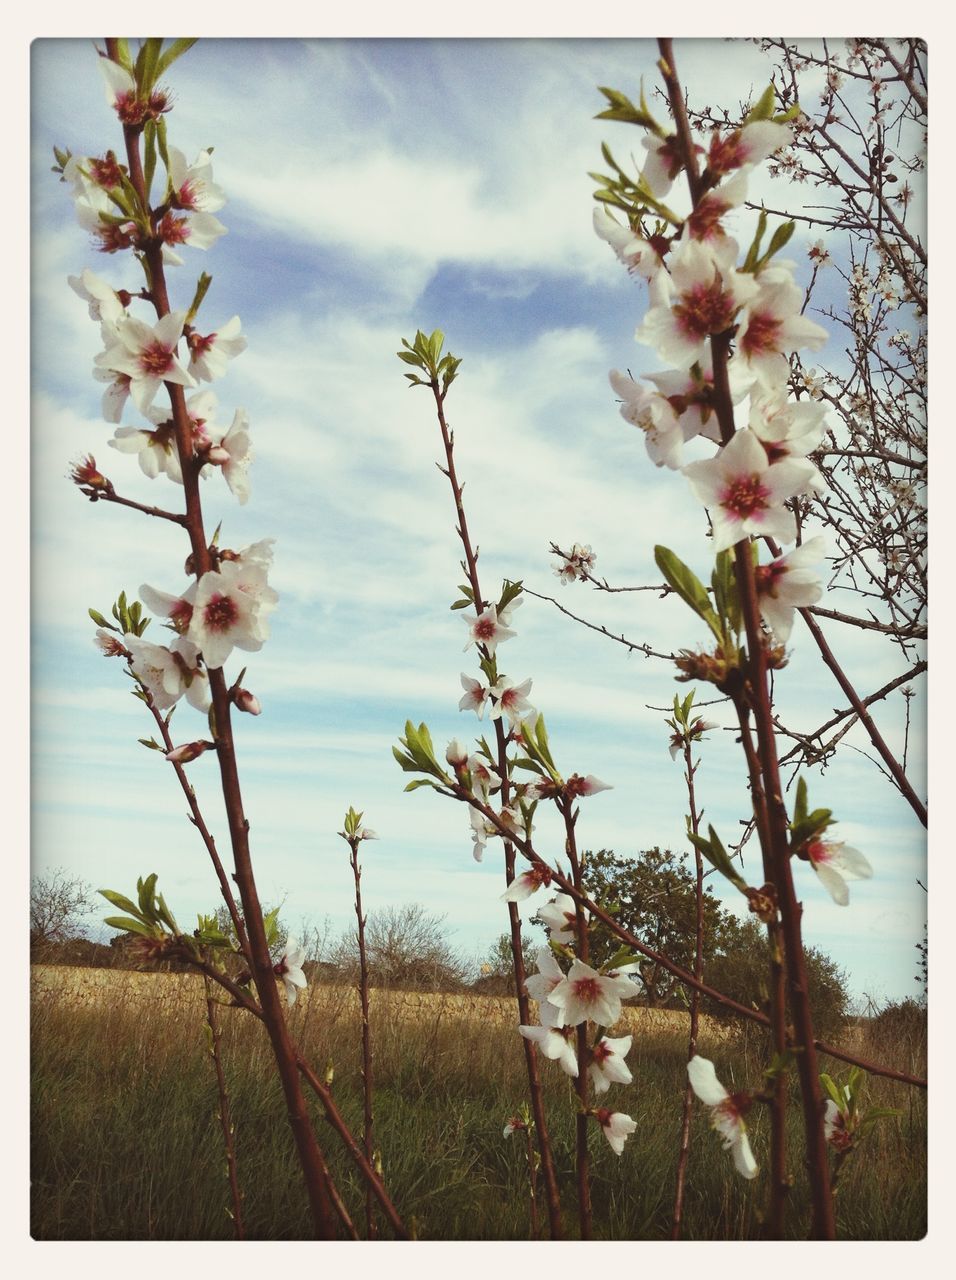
[(588, 786), (178, 609), (289, 968), (456, 754), (787, 584), (487, 630), (663, 163), (116, 393), (786, 428), (693, 734), (745, 493), (195, 230), (836, 862), (751, 145), (168, 673), (578, 562), (691, 395), (837, 1124), (727, 1111), (484, 779), (540, 985), (110, 644), (664, 432), (707, 294), (586, 994), (511, 700), (230, 611), (553, 1039), (772, 326), (526, 883), (560, 918), (103, 301), (616, 1127), (148, 356), (233, 454), (209, 354), (607, 1063), (475, 696), (192, 186), (637, 254), (482, 830), (704, 222)]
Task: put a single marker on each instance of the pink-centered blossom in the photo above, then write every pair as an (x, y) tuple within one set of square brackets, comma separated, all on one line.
[(690, 394), (110, 643), (178, 609), (663, 163), (168, 673), (488, 630), (482, 830), (193, 230), (607, 1065), (640, 256), (103, 301), (560, 918), (786, 428), (157, 450), (750, 145), (526, 883), (540, 985), (787, 584), (191, 185), (706, 295), (771, 327), (230, 610), (586, 994), (745, 493), (116, 393), (705, 221), (289, 969), (727, 1111), (694, 733), (147, 355), (553, 1039), (512, 700), (234, 454), (475, 696), (616, 1127), (484, 779), (837, 1124), (836, 862), (664, 432), (577, 786), (209, 354)]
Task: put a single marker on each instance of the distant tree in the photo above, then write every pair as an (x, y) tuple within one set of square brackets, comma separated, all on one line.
[(739, 970), (497, 976), (408, 947), (59, 904), (652, 895)]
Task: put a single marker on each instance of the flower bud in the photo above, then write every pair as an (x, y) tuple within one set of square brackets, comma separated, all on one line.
[(246, 701), (457, 754), (188, 751), (85, 474)]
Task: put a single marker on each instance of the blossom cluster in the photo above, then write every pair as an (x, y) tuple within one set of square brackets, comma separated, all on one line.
[(699, 290)]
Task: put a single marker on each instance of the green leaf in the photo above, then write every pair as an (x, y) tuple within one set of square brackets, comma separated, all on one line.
[(175, 50), (764, 108), (270, 922), (688, 586), (121, 901), (419, 782), (128, 925), (146, 891), (100, 620), (834, 1090), (151, 743), (753, 253), (622, 956), (202, 288), (716, 855), (461, 604), (800, 802)]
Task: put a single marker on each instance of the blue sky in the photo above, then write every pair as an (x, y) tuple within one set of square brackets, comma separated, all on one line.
[(376, 187)]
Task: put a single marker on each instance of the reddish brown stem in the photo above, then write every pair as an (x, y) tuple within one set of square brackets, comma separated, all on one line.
[(367, 1085), (313, 1165), (542, 1136), (582, 1119), (225, 1118), (532, 1183), (110, 495), (776, 849), (683, 1152)]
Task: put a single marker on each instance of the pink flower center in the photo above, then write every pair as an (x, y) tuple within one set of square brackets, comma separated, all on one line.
[(113, 238), (586, 990), (173, 230), (601, 1052), (485, 629), (129, 108), (106, 172), (705, 220), (744, 496), (767, 577), (818, 851), (180, 615), (705, 309), (155, 359), (725, 153), (763, 334), (188, 194), (220, 613), (199, 345)]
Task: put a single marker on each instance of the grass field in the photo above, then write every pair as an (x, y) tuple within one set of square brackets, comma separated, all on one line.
[(126, 1144)]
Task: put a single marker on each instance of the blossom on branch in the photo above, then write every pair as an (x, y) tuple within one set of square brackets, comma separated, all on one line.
[(233, 454), (607, 1063), (209, 354), (772, 326), (289, 968), (487, 630), (664, 433), (560, 918), (745, 493), (147, 355), (616, 1127), (586, 994), (553, 1039), (511, 700), (230, 610), (836, 862), (540, 985), (527, 883), (640, 256), (787, 584), (475, 696), (727, 1111), (168, 673)]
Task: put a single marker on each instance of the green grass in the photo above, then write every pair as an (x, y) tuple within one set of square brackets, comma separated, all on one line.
[(126, 1144)]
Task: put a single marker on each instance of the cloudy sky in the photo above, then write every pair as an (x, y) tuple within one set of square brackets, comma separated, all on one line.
[(377, 187)]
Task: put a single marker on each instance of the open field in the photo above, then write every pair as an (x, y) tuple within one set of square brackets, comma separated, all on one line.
[(126, 1144)]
